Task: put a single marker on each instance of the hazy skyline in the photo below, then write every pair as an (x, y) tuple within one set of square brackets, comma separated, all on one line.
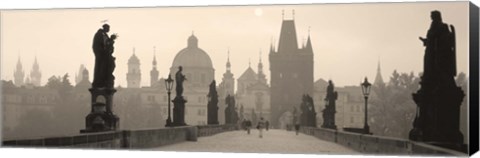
[(348, 39)]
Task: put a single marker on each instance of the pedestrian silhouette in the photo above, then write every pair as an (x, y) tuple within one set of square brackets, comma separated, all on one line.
[(297, 128), (248, 125), (260, 126)]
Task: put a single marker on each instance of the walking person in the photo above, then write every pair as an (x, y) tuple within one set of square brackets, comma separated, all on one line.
[(297, 128), (248, 125), (260, 126)]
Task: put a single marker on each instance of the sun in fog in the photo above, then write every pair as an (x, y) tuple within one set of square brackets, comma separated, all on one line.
[(258, 12)]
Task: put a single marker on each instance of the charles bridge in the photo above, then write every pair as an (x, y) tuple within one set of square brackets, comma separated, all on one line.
[(157, 139), (436, 123)]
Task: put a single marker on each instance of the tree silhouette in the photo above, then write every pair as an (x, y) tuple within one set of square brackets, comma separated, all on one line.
[(392, 108)]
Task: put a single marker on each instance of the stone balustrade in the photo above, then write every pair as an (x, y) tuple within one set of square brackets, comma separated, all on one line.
[(371, 144), (128, 139)]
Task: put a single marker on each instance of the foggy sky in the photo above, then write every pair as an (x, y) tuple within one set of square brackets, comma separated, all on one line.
[(348, 39)]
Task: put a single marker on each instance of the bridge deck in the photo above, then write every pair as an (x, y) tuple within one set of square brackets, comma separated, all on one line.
[(273, 141)]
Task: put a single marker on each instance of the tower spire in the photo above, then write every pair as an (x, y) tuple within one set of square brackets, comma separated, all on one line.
[(154, 63), (19, 74), (378, 77), (308, 47), (154, 71), (35, 74), (228, 60)]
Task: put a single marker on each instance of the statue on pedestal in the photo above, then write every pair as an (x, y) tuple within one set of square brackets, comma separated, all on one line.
[(104, 61), (329, 111), (101, 117), (179, 101), (439, 98), (308, 116)]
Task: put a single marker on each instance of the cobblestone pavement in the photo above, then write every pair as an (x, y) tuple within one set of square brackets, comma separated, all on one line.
[(273, 141)]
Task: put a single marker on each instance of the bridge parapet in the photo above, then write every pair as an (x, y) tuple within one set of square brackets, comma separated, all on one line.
[(111, 139), (130, 139), (208, 130), (371, 144)]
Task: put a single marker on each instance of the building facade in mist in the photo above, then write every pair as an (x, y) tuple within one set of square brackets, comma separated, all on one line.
[(291, 72), (147, 106), (253, 94), (350, 102), (53, 109)]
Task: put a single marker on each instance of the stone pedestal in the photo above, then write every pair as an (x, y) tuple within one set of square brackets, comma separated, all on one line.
[(179, 111), (329, 118), (101, 117), (438, 117)]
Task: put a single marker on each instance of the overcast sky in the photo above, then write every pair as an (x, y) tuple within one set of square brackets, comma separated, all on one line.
[(348, 39)]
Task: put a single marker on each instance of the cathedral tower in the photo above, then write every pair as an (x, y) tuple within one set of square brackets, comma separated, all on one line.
[(291, 72), (228, 82), (261, 76), (19, 74), (35, 74), (134, 74), (378, 77), (154, 71)]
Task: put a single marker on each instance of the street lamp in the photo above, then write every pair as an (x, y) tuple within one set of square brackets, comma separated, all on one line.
[(169, 86), (366, 91)]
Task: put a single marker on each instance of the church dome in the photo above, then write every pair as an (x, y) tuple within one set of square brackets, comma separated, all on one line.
[(133, 59), (192, 56)]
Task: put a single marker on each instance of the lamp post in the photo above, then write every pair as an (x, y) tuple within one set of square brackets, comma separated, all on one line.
[(366, 91), (169, 86)]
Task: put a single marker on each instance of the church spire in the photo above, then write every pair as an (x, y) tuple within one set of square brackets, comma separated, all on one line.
[(154, 71), (35, 74), (154, 62), (272, 47), (19, 74), (260, 64), (261, 75), (308, 47), (288, 37), (228, 61), (378, 77)]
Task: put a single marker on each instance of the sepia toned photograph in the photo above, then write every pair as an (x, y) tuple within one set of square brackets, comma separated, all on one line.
[(323, 79)]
